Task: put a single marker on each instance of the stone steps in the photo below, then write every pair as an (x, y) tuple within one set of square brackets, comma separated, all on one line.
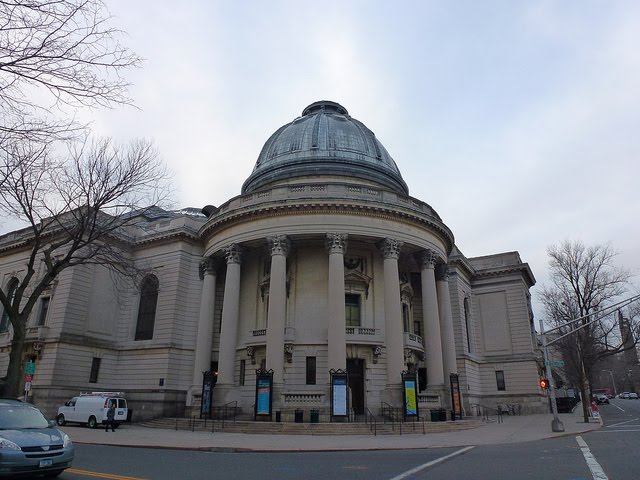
[(291, 428)]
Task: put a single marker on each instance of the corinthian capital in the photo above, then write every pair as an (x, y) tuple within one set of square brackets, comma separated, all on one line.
[(233, 253), (442, 272), (207, 267), (279, 245), (427, 258), (336, 242), (390, 248)]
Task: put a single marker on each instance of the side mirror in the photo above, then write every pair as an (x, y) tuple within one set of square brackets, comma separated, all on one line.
[(52, 423)]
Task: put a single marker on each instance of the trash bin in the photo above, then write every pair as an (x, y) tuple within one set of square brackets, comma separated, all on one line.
[(443, 415), (315, 416), (299, 416), (435, 414), (278, 415)]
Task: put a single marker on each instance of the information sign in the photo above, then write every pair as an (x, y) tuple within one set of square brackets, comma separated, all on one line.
[(339, 393), (559, 363), (455, 396), (410, 394), (209, 380), (30, 368), (264, 387)]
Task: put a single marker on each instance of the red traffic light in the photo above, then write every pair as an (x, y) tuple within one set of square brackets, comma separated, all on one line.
[(544, 383)]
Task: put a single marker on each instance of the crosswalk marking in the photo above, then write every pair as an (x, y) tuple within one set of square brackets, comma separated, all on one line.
[(408, 473), (592, 463)]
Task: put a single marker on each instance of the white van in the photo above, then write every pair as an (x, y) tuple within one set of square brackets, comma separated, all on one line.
[(91, 408)]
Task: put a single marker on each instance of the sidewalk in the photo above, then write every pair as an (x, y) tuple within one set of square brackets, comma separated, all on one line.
[(513, 429)]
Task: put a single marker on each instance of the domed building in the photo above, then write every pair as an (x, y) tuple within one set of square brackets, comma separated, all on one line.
[(324, 276)]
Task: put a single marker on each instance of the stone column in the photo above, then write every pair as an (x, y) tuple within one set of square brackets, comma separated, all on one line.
[(276, 313), (431, 319), (390, 250), (446, 322), (230, 316), (336, 245), (204, 340)]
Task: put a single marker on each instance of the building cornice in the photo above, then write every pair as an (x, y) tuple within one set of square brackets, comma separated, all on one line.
[(327, 199)]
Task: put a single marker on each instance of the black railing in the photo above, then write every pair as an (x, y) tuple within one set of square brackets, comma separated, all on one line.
[(485, 412), (223, 412), (392, 414), (370, 419)]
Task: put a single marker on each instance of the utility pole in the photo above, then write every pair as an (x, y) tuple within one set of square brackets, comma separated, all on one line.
[(556, 424)]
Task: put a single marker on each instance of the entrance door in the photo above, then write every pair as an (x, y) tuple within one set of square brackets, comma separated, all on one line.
[(355, 369)]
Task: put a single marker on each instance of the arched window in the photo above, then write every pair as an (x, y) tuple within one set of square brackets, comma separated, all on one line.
[(12, 287), (147, 308)]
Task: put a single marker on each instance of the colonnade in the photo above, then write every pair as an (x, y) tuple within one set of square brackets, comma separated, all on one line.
[(437, 319)]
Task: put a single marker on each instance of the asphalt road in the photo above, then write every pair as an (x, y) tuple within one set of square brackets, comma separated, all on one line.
[(612, 452)]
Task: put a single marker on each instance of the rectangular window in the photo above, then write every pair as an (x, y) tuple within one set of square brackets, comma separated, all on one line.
[(95, 369), (311, 370), (417, 328), (422, 379), (500, 380), (243, 368), (405, 317), (352, 310), (44, 308)]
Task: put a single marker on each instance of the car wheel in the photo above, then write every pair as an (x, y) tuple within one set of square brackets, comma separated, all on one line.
[(60, 420), (92, 422), (53, 473)]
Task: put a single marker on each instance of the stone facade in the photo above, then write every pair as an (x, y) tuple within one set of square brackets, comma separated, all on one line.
[(323, 262)]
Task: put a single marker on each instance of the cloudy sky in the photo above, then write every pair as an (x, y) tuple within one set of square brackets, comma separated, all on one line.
[(517, 121)]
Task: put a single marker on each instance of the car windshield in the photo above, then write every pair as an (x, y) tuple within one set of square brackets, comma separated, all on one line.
[(16, 417)]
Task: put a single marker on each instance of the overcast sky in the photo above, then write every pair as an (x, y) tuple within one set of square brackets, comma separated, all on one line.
[(517, 121)]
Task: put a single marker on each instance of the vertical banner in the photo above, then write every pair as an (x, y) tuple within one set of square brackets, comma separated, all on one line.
[(264, 390), (339, 393), (456, 407), (209, 379), (410, 394)]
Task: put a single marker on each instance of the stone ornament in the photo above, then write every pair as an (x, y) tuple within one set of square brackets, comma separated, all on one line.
[(279, 245), (233, 253), (427, 258), (390, 248), (207, 266), (336, 243)]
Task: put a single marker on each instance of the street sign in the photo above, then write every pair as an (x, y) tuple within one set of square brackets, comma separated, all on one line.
[(556, 364), (29, 378), (27, 386), (30, 368)]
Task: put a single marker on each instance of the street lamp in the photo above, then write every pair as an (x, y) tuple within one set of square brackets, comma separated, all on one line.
[(615, 393)]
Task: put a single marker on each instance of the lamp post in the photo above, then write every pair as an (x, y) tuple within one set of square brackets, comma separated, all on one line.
[(615, 393)]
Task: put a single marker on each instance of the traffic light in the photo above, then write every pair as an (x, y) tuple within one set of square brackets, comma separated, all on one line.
[(544, 383)]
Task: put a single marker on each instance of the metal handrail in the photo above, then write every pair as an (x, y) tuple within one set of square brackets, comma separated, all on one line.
[(371, 420), (393, 413), (484, 411)]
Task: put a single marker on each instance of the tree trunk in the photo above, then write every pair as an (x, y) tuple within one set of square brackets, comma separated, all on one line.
[(14, 372)]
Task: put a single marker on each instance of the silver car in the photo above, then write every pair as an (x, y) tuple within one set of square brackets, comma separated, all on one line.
[(29, 443)]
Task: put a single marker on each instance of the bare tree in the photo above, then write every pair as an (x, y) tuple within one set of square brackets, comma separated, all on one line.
[(57, 54), (79, 211), (584, 283)]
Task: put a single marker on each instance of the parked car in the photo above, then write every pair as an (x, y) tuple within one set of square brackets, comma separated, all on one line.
[(91, 408), (624, 395), (633, 395), (29, 443), (601, 398)]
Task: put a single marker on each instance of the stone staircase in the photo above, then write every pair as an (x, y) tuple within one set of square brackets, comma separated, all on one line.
[(292, 428)]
